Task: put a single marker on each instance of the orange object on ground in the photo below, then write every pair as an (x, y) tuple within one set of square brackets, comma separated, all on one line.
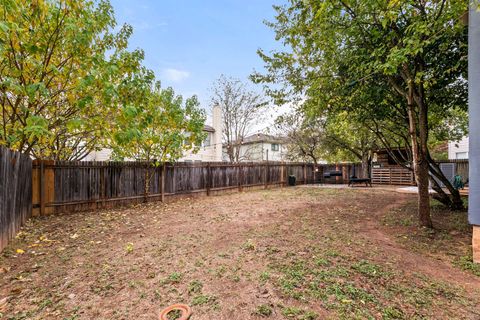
[(186, 311)]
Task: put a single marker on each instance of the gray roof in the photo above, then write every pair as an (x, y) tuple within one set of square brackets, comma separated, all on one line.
[(208, 128), (261, 137)]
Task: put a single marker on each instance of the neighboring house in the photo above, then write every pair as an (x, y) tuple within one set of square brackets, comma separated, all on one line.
[(261, 147), (210, 150), (458, 149)]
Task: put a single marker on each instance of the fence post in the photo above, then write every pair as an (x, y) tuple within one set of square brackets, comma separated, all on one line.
[(239, 182), (174, 182), (281, 174), (103, 188), (265, 168), (208, 179), (42, 188), (162, 182), (305, 174), (285, 174)]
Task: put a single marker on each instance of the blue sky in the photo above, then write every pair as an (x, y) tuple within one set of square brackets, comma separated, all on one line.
[(190, 43)]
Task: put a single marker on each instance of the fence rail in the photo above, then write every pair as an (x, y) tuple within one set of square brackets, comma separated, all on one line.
[(15, 193), (69, 186)]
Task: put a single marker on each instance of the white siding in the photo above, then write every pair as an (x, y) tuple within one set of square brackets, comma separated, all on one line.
[(458, 149), (212, 152), (261, 151), (100, 155)]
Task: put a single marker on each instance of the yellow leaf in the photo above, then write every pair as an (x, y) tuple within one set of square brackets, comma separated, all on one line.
[(20, 251)]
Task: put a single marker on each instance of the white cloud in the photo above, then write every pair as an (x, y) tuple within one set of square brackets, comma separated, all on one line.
[(175, 75), (143, 25)]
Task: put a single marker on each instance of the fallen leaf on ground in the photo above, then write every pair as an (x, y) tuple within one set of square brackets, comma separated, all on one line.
[(3, 304)]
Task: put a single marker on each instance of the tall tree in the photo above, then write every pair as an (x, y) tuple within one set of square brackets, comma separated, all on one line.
[(241, 107), (333, 138), (415, 48), (57, 85), (305, 138), (156, 127)]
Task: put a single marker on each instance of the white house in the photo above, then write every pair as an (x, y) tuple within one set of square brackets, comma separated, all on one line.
[(261, 147), (210, 151), (458, 149)]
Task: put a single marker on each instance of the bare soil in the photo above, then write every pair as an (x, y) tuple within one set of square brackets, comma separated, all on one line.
[(292, 253)]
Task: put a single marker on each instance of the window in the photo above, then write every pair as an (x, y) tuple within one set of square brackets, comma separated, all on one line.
[(275, 147), (206, 142), (461, 155)]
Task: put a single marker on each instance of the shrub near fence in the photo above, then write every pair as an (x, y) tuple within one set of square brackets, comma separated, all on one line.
[(15, 193), (80, 185)]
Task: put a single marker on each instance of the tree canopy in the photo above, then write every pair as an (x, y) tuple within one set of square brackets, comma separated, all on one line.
[(159, 127), (242, 108), (396, 67), (69, 85)]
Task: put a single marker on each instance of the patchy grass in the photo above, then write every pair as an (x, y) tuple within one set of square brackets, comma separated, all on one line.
[(298, 313), (448, 241), (292, 253), (264, 310), (466, 263)]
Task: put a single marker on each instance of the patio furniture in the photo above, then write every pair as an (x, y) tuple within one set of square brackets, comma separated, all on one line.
[(458, 182), (354, 180)]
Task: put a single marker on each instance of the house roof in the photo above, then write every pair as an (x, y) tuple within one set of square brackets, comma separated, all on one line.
[(208, 128), (261, 137)]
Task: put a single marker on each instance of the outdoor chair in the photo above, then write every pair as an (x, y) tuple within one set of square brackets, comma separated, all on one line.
[(458, 182)]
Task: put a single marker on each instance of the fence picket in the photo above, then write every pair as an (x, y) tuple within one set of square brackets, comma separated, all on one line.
[(15, 193)]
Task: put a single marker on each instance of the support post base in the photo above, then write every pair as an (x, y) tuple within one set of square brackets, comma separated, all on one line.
[(476, 244)]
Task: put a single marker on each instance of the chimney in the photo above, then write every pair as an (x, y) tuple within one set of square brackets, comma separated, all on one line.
[(474, 128), (218, 126)]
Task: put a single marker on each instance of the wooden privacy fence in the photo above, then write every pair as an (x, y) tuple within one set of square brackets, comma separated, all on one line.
[(66, 186), (460, 166), (15, 193), (394, 176), (398, 175)]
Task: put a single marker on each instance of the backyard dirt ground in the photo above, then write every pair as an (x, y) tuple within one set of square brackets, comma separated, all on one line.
[(291, 253)]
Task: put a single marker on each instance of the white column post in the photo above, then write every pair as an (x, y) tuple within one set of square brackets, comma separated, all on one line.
[(474, 129)]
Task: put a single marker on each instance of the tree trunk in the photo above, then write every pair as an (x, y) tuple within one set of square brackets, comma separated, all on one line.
[(454, 200), (440, 194), (314, 170), (423, 194), (420, 165), (365, 165), (148, 176), (423, 167)]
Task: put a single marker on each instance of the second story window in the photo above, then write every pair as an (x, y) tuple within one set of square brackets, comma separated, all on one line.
[(206, 142), (275, 147)]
